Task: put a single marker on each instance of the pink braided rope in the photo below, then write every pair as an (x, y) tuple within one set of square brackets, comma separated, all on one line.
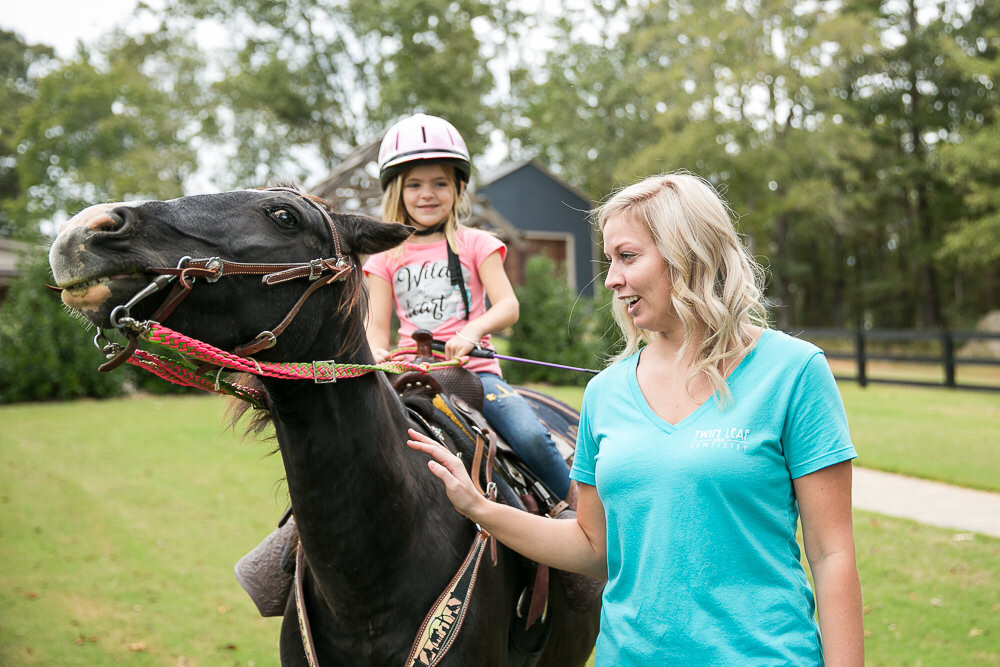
[(171, 371), (323, 371), (320, 371)]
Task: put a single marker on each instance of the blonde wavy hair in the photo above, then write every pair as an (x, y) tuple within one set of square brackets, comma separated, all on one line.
[(394, 210), (717, 287)]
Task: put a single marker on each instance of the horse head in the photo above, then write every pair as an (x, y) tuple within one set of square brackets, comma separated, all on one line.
[(242, 261)]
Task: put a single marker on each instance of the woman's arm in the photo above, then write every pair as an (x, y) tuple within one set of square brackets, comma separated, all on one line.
[(379, 317), (502, 313), (574, 546), (824, 499)]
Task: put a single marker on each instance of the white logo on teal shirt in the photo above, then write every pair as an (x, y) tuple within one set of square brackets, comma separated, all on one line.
[(721, 438)]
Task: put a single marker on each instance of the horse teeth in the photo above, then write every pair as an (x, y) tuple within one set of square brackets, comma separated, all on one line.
[(85, 286)]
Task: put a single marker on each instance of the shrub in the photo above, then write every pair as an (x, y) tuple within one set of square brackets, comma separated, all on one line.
[(555, 326), (606, 337), (45, 354)]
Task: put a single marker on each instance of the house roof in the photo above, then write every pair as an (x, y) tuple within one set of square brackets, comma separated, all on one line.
[(349, 185), (509, 168), (352, 186)]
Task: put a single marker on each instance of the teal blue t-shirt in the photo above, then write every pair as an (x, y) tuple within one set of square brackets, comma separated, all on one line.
[(703, 566)]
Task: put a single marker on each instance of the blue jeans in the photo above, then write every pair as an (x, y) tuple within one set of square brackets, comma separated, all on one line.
[(512, 417)]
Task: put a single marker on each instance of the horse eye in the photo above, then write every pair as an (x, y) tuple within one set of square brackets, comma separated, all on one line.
[(285, 217)]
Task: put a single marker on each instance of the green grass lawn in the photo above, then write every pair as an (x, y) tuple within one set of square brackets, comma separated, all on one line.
[(931, 596), (949, 436), (121, 521)]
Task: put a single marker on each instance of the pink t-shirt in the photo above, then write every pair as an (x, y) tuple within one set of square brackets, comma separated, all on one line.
[(422, 292)]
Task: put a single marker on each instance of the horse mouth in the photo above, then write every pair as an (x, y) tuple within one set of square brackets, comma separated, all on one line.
[(92, 293)]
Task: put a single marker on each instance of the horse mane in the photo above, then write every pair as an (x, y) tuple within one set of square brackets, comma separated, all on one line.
[(236, 408)]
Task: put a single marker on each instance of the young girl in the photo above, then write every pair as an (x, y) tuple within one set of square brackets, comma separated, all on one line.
[(441, 278)]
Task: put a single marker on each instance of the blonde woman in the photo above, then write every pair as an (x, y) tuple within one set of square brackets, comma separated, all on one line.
[(700, 448)]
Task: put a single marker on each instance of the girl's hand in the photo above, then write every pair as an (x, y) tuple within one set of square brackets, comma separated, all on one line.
[(458, 346), (449, 469), (381, 354)]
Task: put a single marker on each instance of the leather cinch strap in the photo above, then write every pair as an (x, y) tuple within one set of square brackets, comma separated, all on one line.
[(300, 606), (441, 625)]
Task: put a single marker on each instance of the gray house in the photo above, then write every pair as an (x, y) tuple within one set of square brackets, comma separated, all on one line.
[(552, 217)]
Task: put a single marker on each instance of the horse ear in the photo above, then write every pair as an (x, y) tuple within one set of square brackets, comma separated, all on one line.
[(368, 236)]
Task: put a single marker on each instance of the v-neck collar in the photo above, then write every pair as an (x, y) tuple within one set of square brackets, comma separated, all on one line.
[(709, 403)]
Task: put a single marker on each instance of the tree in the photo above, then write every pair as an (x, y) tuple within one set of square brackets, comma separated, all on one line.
[(914, 97), (431, 56), (555, 327), (112, 123), (744, 94), (18, 63), (852, 139), (582, 111), (752, 108), (307, 81), (972, 167), (102, 130)]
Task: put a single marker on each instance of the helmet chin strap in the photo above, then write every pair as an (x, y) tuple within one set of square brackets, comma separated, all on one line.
[(427, 231)]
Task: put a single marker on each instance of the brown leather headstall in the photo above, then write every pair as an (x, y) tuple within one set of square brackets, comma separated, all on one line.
[(320, 272)]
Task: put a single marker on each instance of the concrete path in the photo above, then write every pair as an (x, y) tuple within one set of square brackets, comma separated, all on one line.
[(932, 503)]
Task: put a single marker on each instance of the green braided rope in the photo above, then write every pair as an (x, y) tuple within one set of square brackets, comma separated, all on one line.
[(160, 335)]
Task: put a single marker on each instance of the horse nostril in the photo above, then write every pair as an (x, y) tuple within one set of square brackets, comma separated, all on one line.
[(114, 220), (106, 221), (106, 218)]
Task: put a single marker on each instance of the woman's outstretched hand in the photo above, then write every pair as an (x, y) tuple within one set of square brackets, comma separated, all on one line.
[(564, 543), (449, 469)]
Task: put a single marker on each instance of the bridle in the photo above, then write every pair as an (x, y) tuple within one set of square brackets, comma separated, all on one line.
[(320, 272)]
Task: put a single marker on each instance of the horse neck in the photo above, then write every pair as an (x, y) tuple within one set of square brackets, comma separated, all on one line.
[(357, 491)]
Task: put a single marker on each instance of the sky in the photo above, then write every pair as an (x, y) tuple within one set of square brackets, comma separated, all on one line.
[(62, 23)]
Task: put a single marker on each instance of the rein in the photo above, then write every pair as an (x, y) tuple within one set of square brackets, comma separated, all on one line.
[(320, 372)]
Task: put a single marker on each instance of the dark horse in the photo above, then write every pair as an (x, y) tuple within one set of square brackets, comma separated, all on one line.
[(381, 540)]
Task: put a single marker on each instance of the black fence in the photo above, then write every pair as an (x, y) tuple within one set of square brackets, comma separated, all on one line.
[(911, 347)]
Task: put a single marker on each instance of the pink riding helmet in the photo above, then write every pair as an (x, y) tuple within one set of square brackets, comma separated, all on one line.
[(422, 137)]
